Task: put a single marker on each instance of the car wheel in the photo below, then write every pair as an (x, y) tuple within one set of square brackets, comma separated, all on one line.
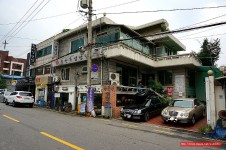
[(6, 102), (123, 118), (146, 116), (193, 120), (14, 104)]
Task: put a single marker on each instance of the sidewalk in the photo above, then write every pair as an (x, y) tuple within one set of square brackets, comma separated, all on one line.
[(200, 123)]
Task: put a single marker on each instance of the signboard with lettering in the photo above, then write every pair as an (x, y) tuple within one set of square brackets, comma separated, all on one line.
[(169, 91), (75, 57), (109, 96)]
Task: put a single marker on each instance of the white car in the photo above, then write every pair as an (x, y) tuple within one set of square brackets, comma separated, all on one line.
[(20, 97), (4, 96)]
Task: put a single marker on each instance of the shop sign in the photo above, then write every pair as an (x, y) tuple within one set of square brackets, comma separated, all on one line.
[(13, 82), (56, 94), (64, 88), (42, 80), (169, 91), (109, 95), (83, 108), (75, 57)]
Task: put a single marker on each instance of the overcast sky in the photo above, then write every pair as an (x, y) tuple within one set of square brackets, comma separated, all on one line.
[(40, 29)]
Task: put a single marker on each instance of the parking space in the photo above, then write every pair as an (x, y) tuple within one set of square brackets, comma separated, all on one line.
[(158, 121)]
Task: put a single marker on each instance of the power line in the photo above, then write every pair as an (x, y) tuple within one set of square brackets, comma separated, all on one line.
[(25, 19), (169, 32), (43, 18), (20, 20), (204, 36), (29, 20), (118, 5), (23, 38), (163, 10), (204, 21)]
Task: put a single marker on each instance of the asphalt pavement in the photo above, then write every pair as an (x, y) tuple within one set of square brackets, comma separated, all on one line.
[(24, 128)]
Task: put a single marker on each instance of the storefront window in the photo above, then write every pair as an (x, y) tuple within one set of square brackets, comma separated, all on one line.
[(65, 73), (76, 44), (47, 69), (128, 75), (39, 71), (165, 77)]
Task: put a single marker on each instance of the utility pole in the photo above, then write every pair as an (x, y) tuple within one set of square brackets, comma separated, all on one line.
[(90, 42), (5, 44), (89, 48)]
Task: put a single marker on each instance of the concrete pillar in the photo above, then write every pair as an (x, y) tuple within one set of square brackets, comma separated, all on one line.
[(212, 102)]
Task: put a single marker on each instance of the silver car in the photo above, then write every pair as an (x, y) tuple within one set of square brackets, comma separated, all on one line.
[(4, 96), (183, 110), (20, 97)]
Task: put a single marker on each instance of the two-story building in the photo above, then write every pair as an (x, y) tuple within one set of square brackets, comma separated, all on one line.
[(131, 54)]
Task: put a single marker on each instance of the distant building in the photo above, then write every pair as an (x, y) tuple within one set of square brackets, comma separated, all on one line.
[(10, 65), (11, 69)]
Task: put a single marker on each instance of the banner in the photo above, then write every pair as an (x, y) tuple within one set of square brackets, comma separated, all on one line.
[(169, 91), (90, 99)]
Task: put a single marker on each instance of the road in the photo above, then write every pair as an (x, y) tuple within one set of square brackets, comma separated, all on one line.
[(24, 128)]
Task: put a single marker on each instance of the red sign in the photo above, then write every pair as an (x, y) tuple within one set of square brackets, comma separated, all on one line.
[(170, 91)]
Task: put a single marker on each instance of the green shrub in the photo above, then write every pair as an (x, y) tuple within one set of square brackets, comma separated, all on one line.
[(205, 129)]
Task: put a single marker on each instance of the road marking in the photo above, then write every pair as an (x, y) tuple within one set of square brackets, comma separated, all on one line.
[(210, 139), (130, 125), (62, 141), (11, 118), (164, 132)]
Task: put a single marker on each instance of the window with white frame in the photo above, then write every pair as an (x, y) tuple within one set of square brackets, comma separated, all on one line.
[(65, 73)]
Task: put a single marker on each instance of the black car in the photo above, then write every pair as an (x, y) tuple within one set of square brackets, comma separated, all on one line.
[(151, 107), (142, 95)]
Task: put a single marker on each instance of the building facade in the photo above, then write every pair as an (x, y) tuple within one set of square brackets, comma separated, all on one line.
[(11, 69), (121, 55)]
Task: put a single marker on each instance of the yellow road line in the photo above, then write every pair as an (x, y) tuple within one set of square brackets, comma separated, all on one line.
[(130, 125), (11, 118), (211, 139), (164, 132), (61, 141)]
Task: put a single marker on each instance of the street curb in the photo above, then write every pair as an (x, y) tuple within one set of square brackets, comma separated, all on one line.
[(76, 114)]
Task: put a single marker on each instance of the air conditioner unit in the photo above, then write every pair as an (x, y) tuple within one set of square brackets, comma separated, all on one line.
[(56, 79), (114, 78)]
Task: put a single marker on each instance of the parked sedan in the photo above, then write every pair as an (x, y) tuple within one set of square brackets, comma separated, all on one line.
[(151, 107), (20, 97), (183, 110)]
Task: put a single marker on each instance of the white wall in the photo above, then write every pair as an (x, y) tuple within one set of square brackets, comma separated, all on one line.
[(219, 99)]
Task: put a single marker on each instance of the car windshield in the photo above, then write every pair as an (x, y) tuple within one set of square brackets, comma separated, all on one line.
[(146, 103), (182, 103), (25, 94)]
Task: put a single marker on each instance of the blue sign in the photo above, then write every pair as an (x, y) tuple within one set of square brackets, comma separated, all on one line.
[(94, 68)]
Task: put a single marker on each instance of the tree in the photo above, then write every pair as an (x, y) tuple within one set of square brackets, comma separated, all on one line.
[(209, 52), (3, 84)]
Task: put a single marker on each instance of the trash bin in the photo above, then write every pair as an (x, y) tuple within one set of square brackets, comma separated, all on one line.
[(42, 103), (108, 111), (37, 101)]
